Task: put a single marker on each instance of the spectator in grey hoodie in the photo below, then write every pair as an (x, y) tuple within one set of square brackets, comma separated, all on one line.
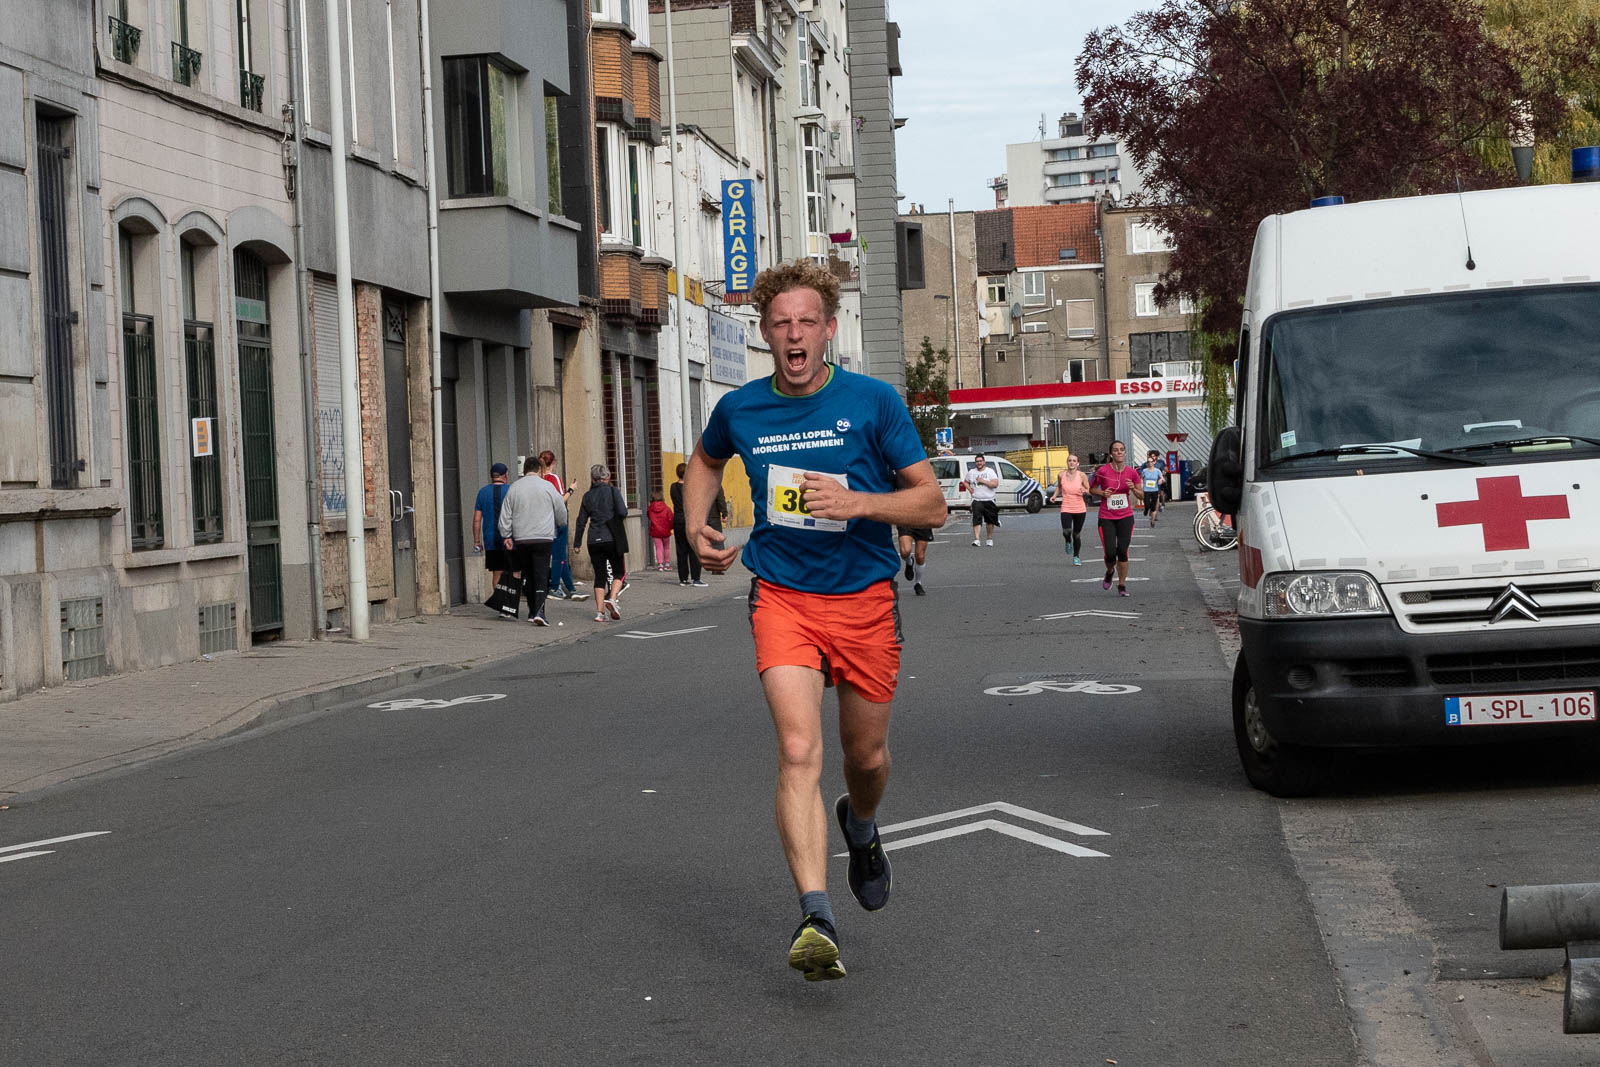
[(530, 514)]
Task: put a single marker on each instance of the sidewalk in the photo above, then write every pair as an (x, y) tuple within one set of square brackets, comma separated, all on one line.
[(82, 728)]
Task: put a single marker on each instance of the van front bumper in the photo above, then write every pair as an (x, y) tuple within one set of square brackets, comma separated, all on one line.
[(1359, 682)]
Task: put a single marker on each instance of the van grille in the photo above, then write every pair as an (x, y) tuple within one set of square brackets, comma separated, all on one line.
[(1472, 605), (1567, 666)]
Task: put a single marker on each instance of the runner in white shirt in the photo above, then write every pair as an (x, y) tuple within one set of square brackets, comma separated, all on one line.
[(983, 480)]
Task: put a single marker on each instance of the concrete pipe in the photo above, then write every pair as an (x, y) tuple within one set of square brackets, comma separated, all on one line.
[(1580, 1012), (1549, 916)]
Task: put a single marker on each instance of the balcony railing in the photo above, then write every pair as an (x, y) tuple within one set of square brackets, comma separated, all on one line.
[(124, 41), (251, 89), (185, 64)]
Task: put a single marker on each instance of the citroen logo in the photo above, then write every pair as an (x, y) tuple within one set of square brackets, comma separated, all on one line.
[(1513, 601)]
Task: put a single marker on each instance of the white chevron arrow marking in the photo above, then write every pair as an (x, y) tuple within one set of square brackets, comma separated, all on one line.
[(1021, 833)]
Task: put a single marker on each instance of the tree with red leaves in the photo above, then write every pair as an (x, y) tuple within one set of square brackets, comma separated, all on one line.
[(1237, 110)]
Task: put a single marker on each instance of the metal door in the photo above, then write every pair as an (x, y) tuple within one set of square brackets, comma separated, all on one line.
[(643, 480), (402, 489), (263, 536)]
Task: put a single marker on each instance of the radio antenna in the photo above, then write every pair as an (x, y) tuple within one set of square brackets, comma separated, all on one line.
[(1461, 200)]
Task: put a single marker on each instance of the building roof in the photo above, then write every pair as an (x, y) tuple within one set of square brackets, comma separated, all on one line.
[(1042, 234), (996, 247)]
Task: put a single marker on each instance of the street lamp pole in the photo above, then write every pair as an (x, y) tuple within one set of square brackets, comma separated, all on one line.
[(682, 324)]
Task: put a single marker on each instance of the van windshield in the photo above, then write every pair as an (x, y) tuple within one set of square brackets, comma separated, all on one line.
[(1491, 375)]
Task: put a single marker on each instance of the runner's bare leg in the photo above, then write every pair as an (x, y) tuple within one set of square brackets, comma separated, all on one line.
[(864, 736), (794, 696)]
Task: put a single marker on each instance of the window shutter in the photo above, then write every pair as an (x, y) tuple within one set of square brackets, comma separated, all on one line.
[(330, 394)]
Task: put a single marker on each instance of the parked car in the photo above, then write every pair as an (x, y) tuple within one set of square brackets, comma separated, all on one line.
[(1016, 489)]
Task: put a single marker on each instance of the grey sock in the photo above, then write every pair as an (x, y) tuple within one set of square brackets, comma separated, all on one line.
[(917, 569), (859, 831), (816, 903)]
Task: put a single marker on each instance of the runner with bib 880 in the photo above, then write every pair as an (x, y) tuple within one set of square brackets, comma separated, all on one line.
[(1118, 486), (834, 462)]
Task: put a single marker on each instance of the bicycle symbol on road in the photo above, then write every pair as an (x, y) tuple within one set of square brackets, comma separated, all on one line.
[(408, 703), (1028, 689)]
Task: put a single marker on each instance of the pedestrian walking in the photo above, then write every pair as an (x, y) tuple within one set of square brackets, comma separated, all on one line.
[(660, 517), (983, 480), (530, 515), (914, 542), (562, 587), (485, 525), (1072, 489), (1118, 486), (688, 561), (822, 603), (601, 515)]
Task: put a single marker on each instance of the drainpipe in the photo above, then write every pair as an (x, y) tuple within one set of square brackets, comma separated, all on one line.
[(679, 260), (436, 305), (955, 291), (308, 376)]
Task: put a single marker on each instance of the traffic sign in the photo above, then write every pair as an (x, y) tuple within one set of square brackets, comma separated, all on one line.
[(944, 437)]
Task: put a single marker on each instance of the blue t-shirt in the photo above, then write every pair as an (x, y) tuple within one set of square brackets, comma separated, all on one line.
[(491, 513), (854, 426)]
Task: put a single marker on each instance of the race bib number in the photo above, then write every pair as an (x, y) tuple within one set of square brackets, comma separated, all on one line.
[(1117, 502), (786, 505)]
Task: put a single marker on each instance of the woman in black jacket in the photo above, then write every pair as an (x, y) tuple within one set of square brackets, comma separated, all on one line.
[(601, 513), (688, 562)]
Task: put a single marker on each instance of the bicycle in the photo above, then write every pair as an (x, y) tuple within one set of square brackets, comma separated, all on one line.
[(1214, 530)]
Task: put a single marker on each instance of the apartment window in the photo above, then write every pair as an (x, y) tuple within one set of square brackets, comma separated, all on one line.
[(1033, 288), (1186, 305), (612, 11), (185, 60), (552, 155), (997, 290), (1100, 151), (1036, 327), (480, 126), (1078, 370), (1144, 237), (816, 195), (1059, 154), (200, 381), (1076, 178), (61, 411), (141, 394), (252, 86), (635, 216), (124, 35), (1144, 300)]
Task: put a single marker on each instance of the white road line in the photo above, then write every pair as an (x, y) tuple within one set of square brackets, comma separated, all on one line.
[(1000, 806), (53, 840), (1018, 832), (26, 855)]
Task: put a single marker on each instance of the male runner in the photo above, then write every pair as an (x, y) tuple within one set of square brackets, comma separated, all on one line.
[(984, 479), (1118, 486), (914, 542), (833, 461)]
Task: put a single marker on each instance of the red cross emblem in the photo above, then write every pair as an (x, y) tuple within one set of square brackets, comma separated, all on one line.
[(1503, 512)]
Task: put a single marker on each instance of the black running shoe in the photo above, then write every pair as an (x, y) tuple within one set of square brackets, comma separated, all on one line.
[(814, 950), (910, 570), (919, 590), (869, 866)]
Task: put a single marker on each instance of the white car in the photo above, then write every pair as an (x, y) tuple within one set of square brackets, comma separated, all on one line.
[(1016, 489)]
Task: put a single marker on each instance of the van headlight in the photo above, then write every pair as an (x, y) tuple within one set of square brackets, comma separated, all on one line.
[(1291, 595)]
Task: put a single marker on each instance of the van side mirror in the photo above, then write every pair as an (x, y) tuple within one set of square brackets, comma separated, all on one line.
[(1225, 471)]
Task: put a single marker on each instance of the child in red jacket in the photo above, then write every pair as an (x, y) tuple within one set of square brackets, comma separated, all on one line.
[(660, 528)]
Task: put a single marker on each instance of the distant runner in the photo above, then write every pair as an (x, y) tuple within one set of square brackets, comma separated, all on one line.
[(1118, 486), (914, 542), (1072, 487)]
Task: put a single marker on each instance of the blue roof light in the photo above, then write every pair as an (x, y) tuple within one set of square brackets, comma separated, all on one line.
[(1327, 201), (1586, 164)]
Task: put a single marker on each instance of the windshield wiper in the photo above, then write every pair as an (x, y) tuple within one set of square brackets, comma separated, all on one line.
[(1379, 450), (1538, 439)]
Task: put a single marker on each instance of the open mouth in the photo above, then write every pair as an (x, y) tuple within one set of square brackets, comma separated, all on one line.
[(796, 359)]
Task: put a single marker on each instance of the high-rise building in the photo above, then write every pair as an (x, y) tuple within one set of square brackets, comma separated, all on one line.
[(1072, 167)]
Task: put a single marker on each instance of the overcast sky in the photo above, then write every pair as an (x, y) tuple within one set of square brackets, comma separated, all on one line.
[(978, 74)]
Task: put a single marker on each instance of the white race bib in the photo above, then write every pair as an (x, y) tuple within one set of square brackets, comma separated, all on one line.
[(786, 504), (1117, 502)]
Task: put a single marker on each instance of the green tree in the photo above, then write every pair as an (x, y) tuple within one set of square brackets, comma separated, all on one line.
[(1560, 43), (928, 392)]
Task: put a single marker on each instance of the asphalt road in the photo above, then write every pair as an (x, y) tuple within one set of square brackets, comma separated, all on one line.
[(585, 870)]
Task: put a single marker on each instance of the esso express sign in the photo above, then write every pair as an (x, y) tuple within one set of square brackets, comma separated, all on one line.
[(1159, 386)]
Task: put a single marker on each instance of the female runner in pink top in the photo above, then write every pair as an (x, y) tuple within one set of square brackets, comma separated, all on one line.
[(1071, 486), (1119, 487)]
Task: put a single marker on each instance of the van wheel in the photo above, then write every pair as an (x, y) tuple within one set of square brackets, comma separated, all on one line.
[(1035, 503), (1270, 765)]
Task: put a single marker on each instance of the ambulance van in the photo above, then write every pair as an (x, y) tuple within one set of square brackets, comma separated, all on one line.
[(1416, 473)]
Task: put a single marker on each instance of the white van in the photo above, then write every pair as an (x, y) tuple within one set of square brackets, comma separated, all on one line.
[(1418, 477), (1016, 489)]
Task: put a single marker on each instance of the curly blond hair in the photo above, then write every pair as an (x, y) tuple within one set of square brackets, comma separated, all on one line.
[(801, 274)]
